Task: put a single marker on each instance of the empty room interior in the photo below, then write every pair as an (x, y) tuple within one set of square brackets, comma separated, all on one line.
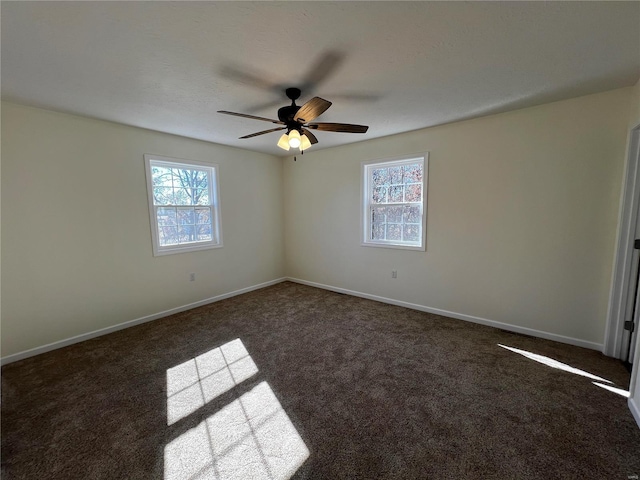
[(320, 240)]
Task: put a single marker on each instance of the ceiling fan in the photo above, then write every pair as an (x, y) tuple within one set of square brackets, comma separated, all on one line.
[(298, 120)]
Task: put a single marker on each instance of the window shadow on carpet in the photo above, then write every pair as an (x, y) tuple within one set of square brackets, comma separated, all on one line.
[(250, 437)]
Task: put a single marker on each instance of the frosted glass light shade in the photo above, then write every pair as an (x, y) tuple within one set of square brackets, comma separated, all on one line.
[(304, 142), (283, 143), (294, 139)]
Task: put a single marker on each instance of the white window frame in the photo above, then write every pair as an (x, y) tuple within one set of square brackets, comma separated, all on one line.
[(367, 204), (214, 199)]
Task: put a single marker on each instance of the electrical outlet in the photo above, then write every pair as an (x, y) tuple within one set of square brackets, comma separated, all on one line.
[(394, 274), (192, 277)]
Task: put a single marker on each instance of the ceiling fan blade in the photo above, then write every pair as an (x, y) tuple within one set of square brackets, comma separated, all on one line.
[(312, 138), (251, 116), (357, 97), (310, 110), (263, 132), (339, 127), (244, 76), (325, 66), (264, 106)]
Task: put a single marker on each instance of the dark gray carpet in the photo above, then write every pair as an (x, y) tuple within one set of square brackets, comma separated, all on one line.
[(373, 391)]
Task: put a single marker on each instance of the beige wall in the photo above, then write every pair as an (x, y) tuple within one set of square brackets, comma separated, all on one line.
[(522, 217), (76, 241)]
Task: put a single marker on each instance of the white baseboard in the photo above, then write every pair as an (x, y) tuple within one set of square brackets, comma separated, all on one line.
[(104, 331), (635, 409), (460, 316), (483, 321)]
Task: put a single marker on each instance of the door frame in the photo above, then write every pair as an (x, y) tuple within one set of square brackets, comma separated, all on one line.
[(623, 267)]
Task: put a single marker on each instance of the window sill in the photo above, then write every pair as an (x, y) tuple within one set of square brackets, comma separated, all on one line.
[(420, 248), (185, 249)]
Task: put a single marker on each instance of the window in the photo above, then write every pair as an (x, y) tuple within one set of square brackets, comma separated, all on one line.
[(394, 203), (184, 205)]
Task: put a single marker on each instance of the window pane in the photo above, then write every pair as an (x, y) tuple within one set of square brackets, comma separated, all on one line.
[(380, 176), (396, 174), (186, 216), (412, 214), (203, 215), (186, 233), (395, 193), (161, 176), (168, 236), (204, 232), (201, 179), (181, 177), (379, 195), (189, 185), (182, 196), (394, 214), (190, 178), (201, 197), (166, 216), (163, 196), (394, 231), (412, 173), (411, 233), (378, 214), (397, 223), (377, 231), (413, 193)]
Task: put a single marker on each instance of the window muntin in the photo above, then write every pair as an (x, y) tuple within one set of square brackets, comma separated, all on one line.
[(394, 203), (183, 204)]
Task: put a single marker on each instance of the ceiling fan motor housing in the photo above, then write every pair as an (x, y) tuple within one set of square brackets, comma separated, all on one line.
[(286, 114), (293, 93)]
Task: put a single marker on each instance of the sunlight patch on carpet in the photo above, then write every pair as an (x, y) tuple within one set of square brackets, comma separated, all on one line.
[(555, 364), (196, 382), (619, 391), (250, 438)]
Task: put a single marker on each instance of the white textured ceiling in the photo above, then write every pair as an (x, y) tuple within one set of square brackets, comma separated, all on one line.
[(395, 66)]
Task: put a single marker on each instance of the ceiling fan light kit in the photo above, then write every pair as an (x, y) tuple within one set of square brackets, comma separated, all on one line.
[(283, 143), (305, 143), (294, 138), (296, 121)]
